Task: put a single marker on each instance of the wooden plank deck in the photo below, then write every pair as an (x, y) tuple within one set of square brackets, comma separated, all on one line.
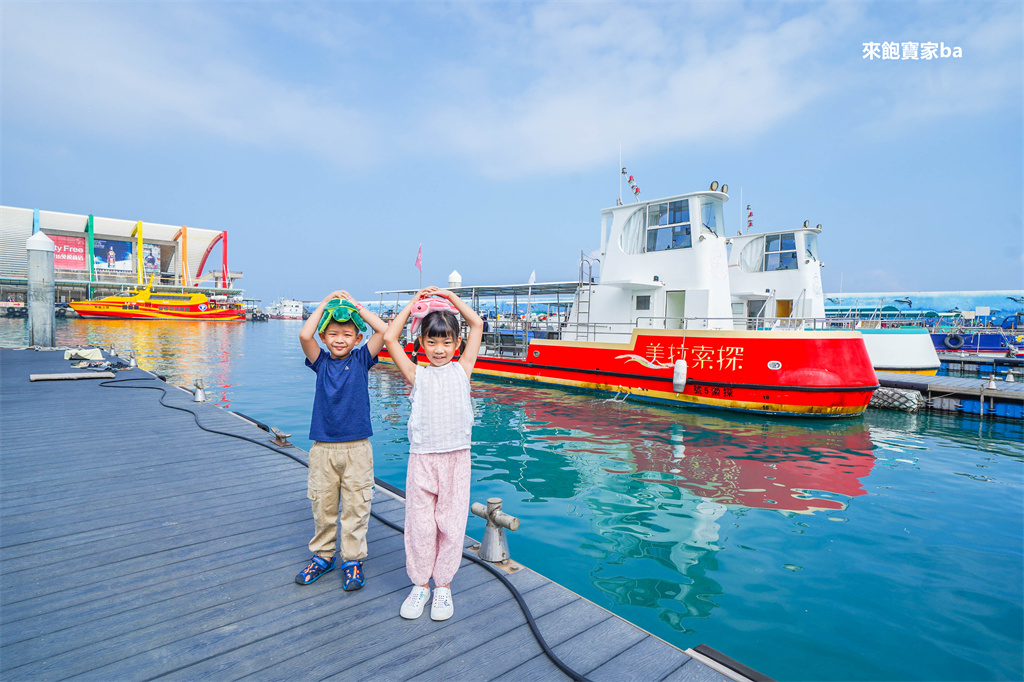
[(135, 545)]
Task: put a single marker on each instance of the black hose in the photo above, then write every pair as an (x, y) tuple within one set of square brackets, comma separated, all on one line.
[(468, 555)]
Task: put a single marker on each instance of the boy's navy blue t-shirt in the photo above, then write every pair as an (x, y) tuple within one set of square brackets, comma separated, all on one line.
[(341, 404)]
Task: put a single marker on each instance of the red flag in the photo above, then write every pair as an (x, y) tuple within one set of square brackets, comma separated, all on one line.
[(419, 259)]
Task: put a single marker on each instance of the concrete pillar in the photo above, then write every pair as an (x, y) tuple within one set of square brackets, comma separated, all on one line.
[(40, 290)]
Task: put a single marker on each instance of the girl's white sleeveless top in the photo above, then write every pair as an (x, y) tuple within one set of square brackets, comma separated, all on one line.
[(442, 411)]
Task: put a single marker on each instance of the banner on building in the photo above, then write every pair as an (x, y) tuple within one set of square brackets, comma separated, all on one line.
[(150, 257), (112, 255), (68, 252)]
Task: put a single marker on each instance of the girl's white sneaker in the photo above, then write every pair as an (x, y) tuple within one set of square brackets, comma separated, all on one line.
[(442, 608), (413, 605)]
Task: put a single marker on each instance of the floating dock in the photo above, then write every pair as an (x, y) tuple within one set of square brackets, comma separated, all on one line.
[(982, 397), (136, 545), (963, 362)]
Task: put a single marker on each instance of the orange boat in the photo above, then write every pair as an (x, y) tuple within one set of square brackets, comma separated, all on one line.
[(147, 305)]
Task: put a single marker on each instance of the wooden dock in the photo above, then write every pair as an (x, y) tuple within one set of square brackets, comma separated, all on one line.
[(135, 545)]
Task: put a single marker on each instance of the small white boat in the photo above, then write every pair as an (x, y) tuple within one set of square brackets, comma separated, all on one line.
[(286, 309)]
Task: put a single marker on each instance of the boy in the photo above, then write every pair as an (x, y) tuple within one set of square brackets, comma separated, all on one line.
[(341, 459)]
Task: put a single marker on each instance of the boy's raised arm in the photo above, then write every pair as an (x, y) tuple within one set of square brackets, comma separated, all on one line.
[(307, 335)]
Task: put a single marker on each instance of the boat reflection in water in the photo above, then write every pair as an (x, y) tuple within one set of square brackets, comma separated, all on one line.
[(180, 350), (647, 488)]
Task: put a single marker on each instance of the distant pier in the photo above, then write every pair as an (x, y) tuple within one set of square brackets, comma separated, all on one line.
[(137, 545)]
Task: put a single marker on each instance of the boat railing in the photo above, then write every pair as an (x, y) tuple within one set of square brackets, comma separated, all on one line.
[(512, 337)]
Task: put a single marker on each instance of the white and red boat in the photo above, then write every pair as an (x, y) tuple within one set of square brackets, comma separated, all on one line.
[(660, 325)]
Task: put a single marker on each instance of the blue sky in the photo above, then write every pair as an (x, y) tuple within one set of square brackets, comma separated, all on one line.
[(331, 139)]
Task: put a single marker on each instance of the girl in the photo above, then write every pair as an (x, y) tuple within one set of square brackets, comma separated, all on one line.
[(440, 425)]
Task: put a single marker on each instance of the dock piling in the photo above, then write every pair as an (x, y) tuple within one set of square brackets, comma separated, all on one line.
[(40, 290)]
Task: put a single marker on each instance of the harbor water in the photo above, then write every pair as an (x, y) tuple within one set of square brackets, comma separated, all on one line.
[(883, 547)]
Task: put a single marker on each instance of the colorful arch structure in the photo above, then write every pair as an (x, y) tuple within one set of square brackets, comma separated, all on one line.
[(222, 237)]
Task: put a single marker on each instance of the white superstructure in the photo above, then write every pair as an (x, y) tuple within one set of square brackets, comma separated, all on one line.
[(776, 275), (663, 266)]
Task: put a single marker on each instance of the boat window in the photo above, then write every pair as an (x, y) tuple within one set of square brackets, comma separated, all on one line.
[(811, 246), (709, 216), (632, 238), (752, 256), (643, 302), (668, 226), (675, 237), (780, 252)]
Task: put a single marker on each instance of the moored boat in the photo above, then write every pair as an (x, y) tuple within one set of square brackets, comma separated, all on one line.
[(659, 325), (286, 309), (776, 284), (149, 305), (1006, 339)]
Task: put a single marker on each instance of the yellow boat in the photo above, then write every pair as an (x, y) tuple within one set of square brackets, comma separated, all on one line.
[(146, 305)]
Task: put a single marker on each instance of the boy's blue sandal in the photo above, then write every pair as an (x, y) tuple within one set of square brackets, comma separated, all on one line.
[(317, 567), (353, 571)]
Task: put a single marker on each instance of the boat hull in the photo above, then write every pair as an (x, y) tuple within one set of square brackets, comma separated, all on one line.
[(795, 373), (907, 350), (92, 310), (978, 343)]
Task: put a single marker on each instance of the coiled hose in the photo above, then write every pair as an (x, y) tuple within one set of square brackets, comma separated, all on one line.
[(561, 665)]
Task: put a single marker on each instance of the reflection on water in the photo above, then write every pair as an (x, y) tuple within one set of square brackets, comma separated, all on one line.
[(180, 350), (656, 482), (877, 548)]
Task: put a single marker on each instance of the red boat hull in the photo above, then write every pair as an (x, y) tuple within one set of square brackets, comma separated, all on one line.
[(820, 374)]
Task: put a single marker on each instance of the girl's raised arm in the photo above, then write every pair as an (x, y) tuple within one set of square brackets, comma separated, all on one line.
[(476, 330), (391, 337)]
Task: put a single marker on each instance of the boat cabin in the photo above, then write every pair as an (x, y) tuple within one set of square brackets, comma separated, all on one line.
[(662, 262), (775, 278)]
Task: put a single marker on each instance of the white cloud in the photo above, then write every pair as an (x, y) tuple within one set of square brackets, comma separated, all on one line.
[(648, 78), (176, 70), (512, 88)]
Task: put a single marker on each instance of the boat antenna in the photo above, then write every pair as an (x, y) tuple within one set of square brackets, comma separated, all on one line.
[(618, 200), (632, 184)]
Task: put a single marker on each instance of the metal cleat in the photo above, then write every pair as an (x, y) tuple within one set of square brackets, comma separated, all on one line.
[(280, 437), (494, 547), (199, 395)]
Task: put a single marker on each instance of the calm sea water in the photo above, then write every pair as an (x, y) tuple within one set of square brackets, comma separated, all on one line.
[(887, 547)]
